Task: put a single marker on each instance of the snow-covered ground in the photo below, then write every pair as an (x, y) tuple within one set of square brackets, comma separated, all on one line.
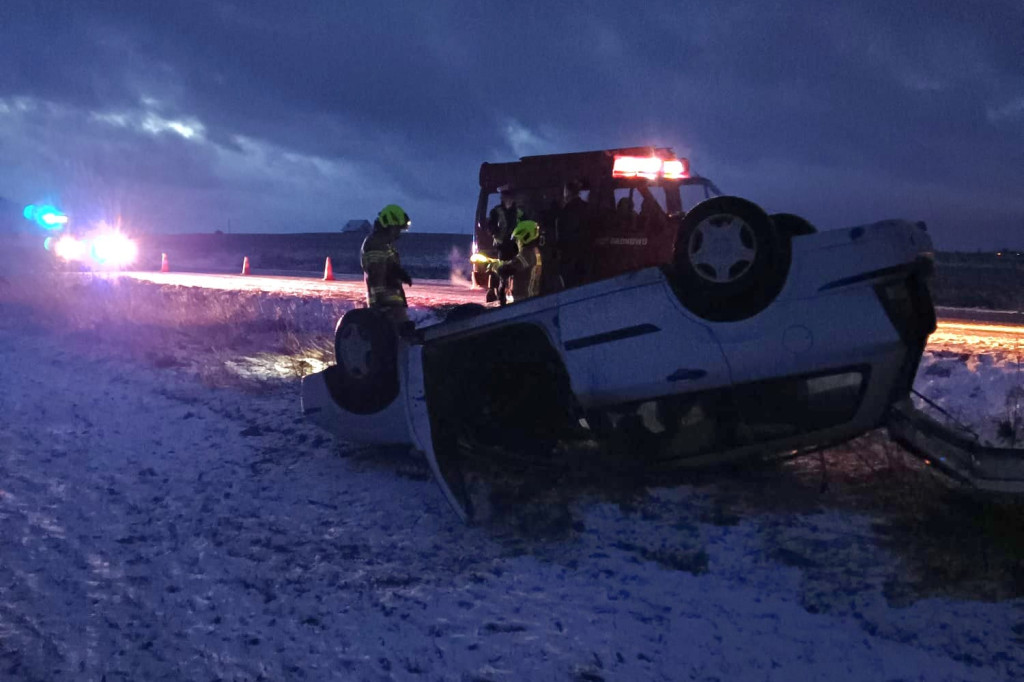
[(154, 528), (984, 392)]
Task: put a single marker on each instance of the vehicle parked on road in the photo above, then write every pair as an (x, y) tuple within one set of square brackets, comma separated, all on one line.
[(744, 334), (632, 199)]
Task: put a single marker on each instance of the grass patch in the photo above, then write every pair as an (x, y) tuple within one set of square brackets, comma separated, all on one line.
[(953, 542), (225, 337)]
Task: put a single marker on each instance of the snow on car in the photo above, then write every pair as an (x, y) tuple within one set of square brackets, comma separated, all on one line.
[(721, 333)]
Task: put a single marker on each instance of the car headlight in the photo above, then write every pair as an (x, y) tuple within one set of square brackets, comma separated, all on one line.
[(114, 249), (68, 248)]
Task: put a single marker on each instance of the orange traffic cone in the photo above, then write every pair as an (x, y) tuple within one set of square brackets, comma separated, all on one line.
[(328, 271), (164, 266), (245, 265)]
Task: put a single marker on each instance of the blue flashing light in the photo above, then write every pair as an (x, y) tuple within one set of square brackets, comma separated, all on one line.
[(48, 243), (29, 212), (49, 218), (53, 219)]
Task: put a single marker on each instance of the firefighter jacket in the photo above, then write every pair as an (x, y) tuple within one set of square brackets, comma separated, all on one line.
[(525, 270), (383, 271), (500, 224)]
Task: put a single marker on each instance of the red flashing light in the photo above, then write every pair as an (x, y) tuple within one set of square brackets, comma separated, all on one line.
[(650, 168), (675, 169)]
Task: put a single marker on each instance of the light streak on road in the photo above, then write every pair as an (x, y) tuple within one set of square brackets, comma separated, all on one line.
[(983, 328), (977, 337), (961, 331)]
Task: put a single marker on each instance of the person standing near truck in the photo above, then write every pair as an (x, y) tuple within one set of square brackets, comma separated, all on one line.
[(569, 230), (382, 267), (525, 267), (501, 221)]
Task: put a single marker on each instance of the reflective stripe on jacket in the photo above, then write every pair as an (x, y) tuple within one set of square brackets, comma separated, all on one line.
[(382, 271), (526, 271)]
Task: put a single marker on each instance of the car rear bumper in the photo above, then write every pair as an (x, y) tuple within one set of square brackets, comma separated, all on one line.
[(984, 467)]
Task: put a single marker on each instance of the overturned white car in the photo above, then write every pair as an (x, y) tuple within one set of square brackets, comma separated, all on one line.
[(755, 335)]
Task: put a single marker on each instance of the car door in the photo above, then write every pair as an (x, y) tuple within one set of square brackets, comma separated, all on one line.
[(440, 455), (633, 341)]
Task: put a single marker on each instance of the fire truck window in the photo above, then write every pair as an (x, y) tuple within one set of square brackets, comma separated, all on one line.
[(533, 203), (623, 198), (691, 195), (657, 193), (492, 201)]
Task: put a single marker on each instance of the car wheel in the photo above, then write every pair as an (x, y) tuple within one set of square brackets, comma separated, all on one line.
[(730, 259), (464, 311), (792, 225), (366, 353)]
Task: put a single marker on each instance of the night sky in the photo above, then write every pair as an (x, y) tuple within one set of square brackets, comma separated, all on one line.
[(258, 116)]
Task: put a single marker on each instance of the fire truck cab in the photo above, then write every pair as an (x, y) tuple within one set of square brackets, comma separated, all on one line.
[(633, 204)]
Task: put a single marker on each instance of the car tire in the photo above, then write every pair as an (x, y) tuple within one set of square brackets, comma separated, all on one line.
[(366, 356), (730, 259), (791, 225), (464, 311)]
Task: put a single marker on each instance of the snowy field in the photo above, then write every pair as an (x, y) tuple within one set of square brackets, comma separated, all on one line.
[(167, 514)]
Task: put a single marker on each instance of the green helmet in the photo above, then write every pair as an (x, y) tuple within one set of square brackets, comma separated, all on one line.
[(526, 231), (392, 215)]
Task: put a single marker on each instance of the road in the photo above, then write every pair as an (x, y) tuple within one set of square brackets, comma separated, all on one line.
[(959, 329)]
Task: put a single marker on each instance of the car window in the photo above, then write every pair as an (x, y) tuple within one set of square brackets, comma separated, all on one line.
[(785, 407)]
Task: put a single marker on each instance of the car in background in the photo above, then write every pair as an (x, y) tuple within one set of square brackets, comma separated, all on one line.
[(102, 248), (742, 334)]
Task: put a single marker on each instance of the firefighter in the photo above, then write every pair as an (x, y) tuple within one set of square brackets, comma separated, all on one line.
[(501, 221), (525, 268), (382, 269)]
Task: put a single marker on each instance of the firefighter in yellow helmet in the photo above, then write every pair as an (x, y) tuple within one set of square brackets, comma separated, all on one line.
[(525, 268), (382, 268)]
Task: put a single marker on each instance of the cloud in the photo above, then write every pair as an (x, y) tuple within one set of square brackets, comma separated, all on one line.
[(526, 142), (1010, 111), (333, 107), (150, 122)]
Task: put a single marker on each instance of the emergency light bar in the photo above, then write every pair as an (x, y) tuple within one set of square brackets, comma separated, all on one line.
[(650, 168), (47, 217)]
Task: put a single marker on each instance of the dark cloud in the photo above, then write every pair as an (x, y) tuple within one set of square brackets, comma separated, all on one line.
[(307, 113)]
